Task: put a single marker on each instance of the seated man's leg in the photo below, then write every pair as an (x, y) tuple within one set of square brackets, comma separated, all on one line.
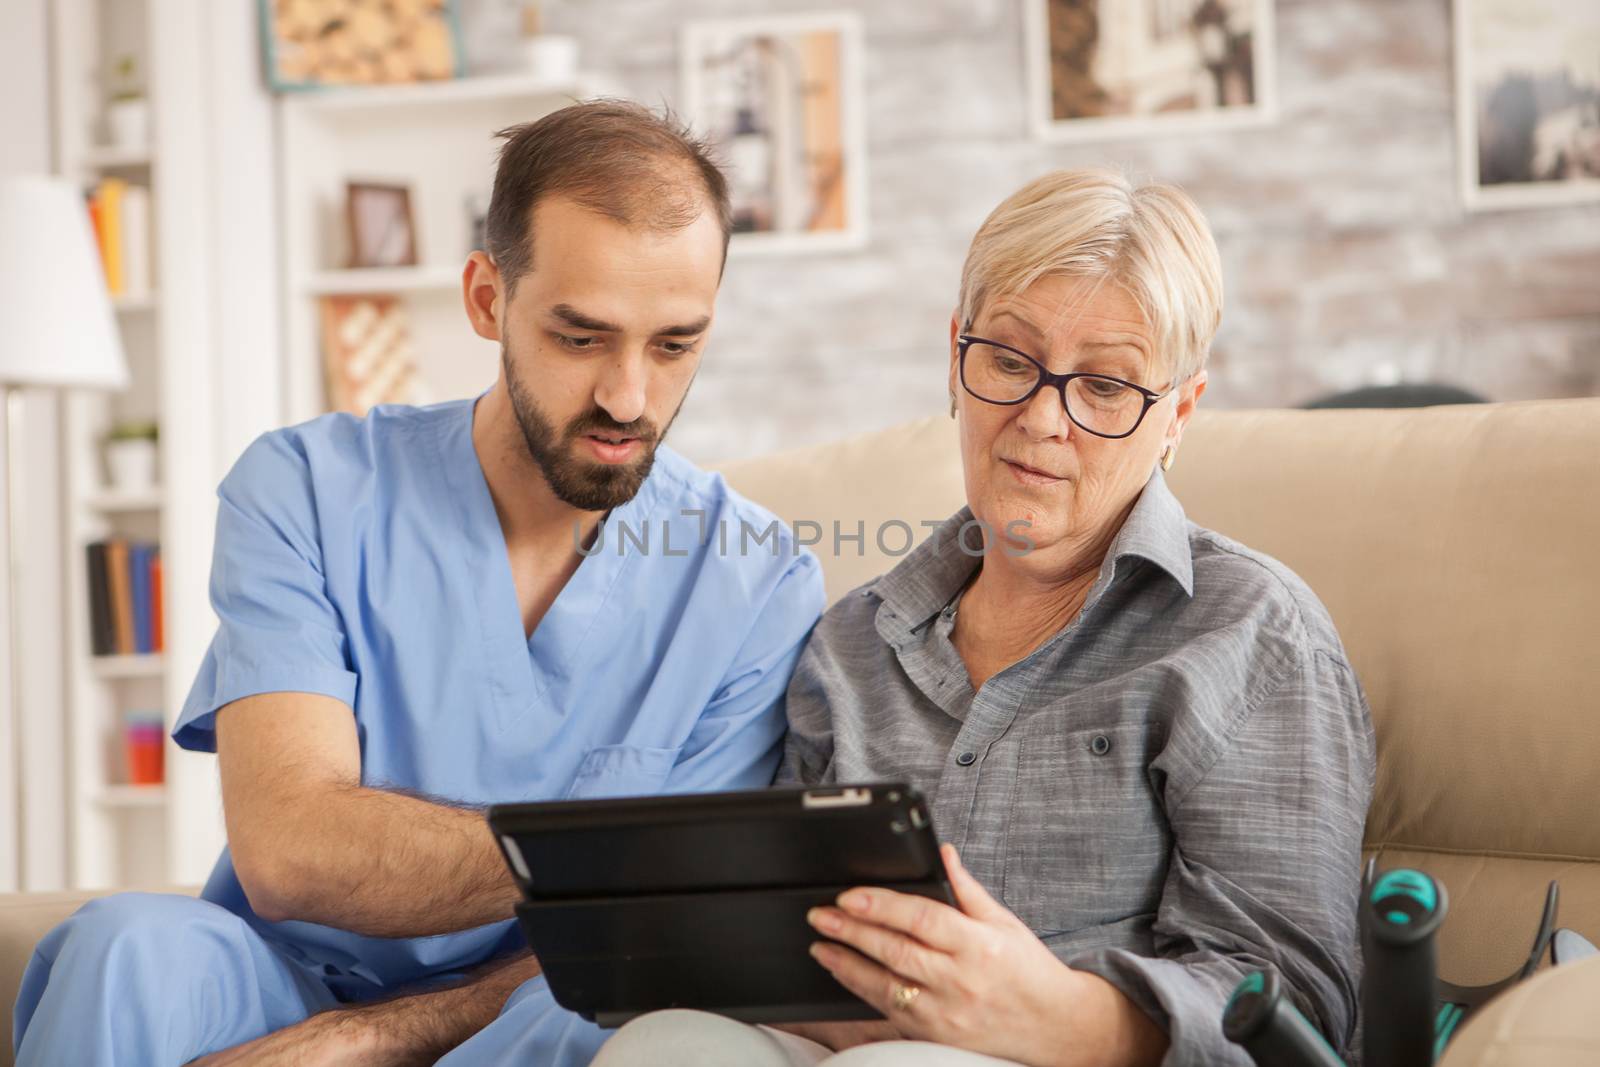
[(141, 978), (531, 1028)]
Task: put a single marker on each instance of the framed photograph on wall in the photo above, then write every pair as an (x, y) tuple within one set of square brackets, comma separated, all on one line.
[(313, 44), (1527, 102), (1101, 69), (381, 230), (780, 97)]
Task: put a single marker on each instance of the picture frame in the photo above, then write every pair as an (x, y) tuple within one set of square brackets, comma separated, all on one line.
[(1527, 87), (780, 98), (309, 45), (368, 355), (1106, 69), (379, 225)]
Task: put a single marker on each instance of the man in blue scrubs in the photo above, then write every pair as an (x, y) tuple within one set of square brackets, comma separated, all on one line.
[(429, 610)]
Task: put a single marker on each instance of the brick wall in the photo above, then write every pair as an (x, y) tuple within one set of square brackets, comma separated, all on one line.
[(1348, 256)]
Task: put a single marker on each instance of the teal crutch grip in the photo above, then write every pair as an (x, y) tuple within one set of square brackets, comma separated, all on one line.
[(1400, 915), (1267, 1025)]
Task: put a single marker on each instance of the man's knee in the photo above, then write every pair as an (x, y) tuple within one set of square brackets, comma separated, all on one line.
[(139, 929)]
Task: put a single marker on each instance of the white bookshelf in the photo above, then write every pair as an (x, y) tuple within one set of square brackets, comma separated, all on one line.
[(122, 834), (451, 96), (435, 277), (134, 304), (437, 139), (119, 667), (132, 796), (102, 157)]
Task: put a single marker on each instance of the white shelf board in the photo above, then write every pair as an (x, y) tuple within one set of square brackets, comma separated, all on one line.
[(141, 302), (348, 100), (108, 500), (146, 665), (381, 280), (131, 796), (107, 158)]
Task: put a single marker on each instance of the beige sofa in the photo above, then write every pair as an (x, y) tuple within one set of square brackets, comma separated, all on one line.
[(1459, 552)]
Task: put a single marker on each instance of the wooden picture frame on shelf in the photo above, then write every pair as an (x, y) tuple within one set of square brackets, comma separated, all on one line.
[(381, 228), (367, 353), (315, 44)]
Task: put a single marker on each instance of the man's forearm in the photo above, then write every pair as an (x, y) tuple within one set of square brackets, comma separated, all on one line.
[(385, 864), (407, 1031), (420, 1028)]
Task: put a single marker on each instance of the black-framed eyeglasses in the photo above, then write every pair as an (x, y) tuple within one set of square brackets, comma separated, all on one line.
[(1098, 403)]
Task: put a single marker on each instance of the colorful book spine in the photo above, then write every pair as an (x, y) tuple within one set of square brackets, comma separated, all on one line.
[(139, 583), (97, 220), (158, 640), (121, 596), (136, 228), (125, 598), (110, 195), (102, 639)]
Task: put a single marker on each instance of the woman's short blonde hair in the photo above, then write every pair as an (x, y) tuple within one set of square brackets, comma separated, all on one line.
[(1097, 224)]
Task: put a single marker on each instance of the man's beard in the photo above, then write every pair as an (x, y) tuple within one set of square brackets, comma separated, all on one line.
[(577, 482)]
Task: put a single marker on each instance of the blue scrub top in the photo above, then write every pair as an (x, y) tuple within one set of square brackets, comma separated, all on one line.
[(363, 559)]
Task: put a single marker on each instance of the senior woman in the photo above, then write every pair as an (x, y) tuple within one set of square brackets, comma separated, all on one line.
[(1144, 740)]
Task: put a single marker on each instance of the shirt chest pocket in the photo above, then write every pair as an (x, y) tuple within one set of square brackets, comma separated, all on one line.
[(1086, 841), (622, 771)]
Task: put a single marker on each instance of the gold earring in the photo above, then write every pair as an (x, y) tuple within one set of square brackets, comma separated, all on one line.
[(952, 405), (1168, 454)]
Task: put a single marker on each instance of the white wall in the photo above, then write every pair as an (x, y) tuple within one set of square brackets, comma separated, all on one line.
[(26, 139)]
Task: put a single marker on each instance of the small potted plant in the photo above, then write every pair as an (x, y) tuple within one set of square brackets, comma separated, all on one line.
[(546, 55), (131, 456), (127, 112)]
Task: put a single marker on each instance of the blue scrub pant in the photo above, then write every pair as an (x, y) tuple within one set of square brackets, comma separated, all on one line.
[(147, 980)]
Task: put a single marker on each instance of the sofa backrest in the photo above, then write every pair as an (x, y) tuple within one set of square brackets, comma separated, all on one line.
[(1458, 550)]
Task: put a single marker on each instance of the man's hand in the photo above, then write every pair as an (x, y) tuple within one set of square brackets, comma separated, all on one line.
[(409, 1031)]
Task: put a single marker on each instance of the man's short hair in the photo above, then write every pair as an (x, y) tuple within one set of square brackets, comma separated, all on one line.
[(623, 160)]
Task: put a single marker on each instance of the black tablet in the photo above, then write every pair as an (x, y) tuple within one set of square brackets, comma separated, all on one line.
[(642, 903)]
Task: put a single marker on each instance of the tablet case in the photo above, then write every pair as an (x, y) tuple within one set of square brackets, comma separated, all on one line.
[(640, 904)]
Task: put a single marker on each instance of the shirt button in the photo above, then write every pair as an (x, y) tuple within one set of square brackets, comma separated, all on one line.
[(1100, 745), (966, 759)]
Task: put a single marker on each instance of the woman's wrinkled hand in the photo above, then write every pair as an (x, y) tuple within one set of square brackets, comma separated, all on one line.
[(982, 980)]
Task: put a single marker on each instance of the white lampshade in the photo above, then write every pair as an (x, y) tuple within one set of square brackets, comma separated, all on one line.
[(56, 323)]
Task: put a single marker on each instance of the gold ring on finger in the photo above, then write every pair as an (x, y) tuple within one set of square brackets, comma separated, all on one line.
[(905, 994)]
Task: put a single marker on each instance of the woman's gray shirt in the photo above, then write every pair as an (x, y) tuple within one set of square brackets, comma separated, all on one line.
[(1170, 792)]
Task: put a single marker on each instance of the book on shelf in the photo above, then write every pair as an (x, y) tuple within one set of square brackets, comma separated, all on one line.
[(125, 599), (120, 213)]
